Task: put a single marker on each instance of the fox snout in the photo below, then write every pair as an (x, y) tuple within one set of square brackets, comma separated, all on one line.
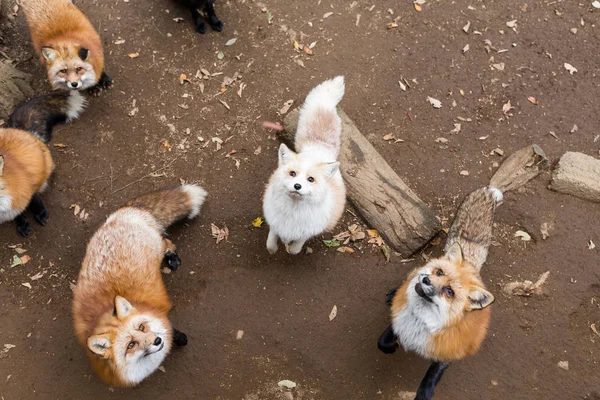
[(425, 288), (74, 84)]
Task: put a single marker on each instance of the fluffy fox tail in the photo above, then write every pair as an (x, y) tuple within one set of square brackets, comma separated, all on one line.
[(318, 120), (496, 194), (40, 114), (170, 205)]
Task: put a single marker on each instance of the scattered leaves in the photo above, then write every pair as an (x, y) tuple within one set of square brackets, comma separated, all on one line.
[(392, 25), (466, 27), (563, 365), (239, 335), (307, 50), (225, 104), (507, 107), (286, 107), (418, 7), (183, 79), (532, 100), (220, 55), (526, 288), (545, 230), (590, 246), (331, 243), (219, 233), (231, 41), (16, 262), (27, 285), (464, 172), (133, 55), (345, 249), (327, 15)]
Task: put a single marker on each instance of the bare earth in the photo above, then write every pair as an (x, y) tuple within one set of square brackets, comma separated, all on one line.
[(282, 303)]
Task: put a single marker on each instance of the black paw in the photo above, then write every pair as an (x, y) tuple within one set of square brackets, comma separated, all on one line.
[(200, 27), (179, 338), (24, 228), (42, 217), (172, 260), (389, 297), (216, 24), (104, 83)]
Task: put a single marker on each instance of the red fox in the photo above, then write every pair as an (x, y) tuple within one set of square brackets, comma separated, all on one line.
[(68, 45), (120, 303), (441, 310), (25, 161)]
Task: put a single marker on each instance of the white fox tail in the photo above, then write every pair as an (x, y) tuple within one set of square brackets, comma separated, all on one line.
[(327, 94), (496, 193), (319, 123)]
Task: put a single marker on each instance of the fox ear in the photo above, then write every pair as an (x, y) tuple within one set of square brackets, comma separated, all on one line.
[(99, 345), (285, 154), (454, 254), (479, 298), (49, 53), (83, 53), (1, 165), (330, 169), (122, 307)]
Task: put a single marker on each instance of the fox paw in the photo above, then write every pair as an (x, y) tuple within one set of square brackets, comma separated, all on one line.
[(172, 260), (42, 217), (24, 229), (216, 25), (200, 27), (179, 338)]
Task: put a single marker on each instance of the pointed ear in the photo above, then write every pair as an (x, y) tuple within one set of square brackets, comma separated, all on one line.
[(285, 154), (83, 53), (454, 254), (122, 307), (479, 298), (49, 53), (1, 165), (330, 169), (99, 345)]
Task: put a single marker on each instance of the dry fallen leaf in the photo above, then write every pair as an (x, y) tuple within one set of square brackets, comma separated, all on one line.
[(225, 104), (523, 235), (60, 145), (344, 249), (466, 27), (183, 79), (307, 50), (286, 107), (590, 246), (532, 100), (25, 259), (507, 107), (257, 223), (239, 335), (570, 68), (218, 233), (27, 285), (526, 288), (333, 313), (286, 384), (545, 230), (392, 25), (418, 8), (464, 172), (37, 276), (466, 48), (434, 102), (231, 41), (563, 365), (133, 55), (389, 136), (441, 140)]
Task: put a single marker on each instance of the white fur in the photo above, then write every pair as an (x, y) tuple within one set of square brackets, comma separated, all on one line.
[(419, 320), (87, 80), (136, 367), (496, 194), (296, 215), (197, 195), (6, 211), (76, 103)]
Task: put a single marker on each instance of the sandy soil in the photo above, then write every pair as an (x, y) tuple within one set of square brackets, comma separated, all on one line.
[(282, 303)]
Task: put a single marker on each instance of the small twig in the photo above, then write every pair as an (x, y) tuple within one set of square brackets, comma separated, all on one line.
[(157, 28), (146, 176)]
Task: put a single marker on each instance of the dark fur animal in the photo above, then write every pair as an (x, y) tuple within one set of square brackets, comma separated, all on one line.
[(207, 6)]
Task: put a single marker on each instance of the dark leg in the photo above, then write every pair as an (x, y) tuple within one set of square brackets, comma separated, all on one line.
[(198, 21), (179, 338), (388, 341), (105, 82), (432, 377), (40, 212), (172, 260), (23, 226), (215, 22), (390, 296)]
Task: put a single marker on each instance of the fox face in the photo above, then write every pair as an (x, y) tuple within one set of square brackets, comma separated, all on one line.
[(133, 344), (445, 289), (302, 178), (69, 67)]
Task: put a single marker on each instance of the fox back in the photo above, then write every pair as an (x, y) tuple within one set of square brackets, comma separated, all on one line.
[(66, 42), (25, 166)]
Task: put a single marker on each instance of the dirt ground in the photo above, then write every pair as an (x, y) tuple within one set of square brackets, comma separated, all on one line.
[(118, 150)]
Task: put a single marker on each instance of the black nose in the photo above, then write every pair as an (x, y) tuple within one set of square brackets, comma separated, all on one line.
[(157, 341), (297, 186), (426, 281)]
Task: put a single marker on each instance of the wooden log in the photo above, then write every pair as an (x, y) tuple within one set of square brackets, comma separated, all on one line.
[(519, 168), (577, 174), (387, 204)]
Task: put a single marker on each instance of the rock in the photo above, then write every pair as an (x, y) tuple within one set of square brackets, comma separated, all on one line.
[(577, 174)]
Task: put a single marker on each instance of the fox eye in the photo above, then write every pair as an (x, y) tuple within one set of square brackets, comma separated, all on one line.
[(439, 272), (131, 345), (141, 328), (78, 69), (292, 173), (63, 71), (449, 291), (311, 179)]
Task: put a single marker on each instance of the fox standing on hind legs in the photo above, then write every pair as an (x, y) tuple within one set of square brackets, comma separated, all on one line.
[(441, 311), (68, 45), (120, 303)]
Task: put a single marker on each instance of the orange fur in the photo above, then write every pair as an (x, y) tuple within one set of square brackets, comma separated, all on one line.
[(27, 166), (61, 25)]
